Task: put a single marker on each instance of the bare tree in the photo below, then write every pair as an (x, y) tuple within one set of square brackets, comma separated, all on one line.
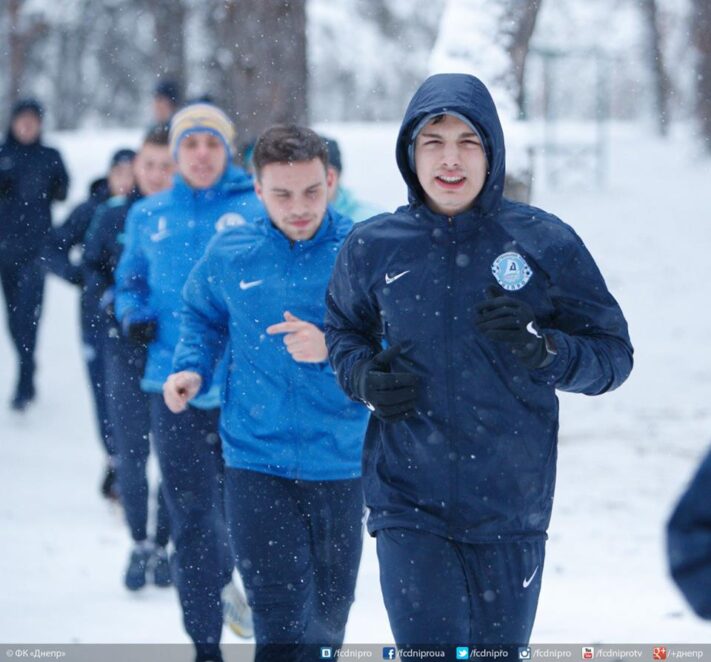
[(662, 85), (23, 33), (701, 28), (520, 26), (169, 25), (260, 61)]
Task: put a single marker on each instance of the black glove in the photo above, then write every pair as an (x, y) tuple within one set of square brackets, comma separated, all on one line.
[(141, 333), (5, 186), (505, 319), (389, 395)]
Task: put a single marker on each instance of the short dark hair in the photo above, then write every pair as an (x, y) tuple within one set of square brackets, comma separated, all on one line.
[(158, 135), (288, 144)]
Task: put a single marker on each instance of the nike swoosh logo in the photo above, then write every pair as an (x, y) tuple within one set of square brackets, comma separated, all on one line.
[(527, 582), (245, 285), (392, 279), (532, 330)]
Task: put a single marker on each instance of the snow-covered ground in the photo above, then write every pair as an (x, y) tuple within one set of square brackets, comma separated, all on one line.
[(623, 457)]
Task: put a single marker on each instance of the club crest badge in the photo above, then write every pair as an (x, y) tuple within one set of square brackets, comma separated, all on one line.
[(511, 271), (229, 220)]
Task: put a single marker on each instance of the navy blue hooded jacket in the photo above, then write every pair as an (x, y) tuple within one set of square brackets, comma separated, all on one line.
[(71, 233), (477, 463), (689, 541), (31, 178)]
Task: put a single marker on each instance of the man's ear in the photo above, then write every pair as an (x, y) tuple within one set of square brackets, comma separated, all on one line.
[(331, 181), (258, 188)]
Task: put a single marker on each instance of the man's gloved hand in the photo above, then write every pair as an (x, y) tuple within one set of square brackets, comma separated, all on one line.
[(141, 332), (508, 320), (389, 395)]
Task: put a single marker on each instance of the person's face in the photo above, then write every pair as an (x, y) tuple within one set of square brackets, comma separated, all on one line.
[(202, 158), (121, 178), (163, 109), (451, 165), (153, 168), (26, 128), (295, 195), (335, 173)]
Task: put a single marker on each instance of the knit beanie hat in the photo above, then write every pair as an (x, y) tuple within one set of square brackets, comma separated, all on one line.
[(201, 118)]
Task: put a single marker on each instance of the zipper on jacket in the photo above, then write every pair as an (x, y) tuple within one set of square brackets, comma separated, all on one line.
[(449, 391)]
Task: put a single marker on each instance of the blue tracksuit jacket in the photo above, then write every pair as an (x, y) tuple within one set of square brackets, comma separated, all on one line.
[(279, 416), (477, 464), (166, 234)]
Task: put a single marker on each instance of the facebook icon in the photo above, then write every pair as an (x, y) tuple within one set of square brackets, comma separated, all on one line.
[(389, 653)]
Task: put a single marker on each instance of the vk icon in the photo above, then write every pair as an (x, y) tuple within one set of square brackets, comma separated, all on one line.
[(389, 653), (462, 652)]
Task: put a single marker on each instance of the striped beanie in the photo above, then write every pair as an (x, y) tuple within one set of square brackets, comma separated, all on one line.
[(197, 118)]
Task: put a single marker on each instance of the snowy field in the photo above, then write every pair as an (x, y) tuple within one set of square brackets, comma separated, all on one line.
[(623, 457)]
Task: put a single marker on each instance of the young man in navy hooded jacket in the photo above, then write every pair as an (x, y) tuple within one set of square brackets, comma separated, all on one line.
[(486, 306), (32, 177), (166, 234), (292, 440)]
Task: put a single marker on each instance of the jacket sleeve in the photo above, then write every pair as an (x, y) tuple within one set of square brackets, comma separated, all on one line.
[(689, 541), (95, 258), (588, 329), (132, 291), (203, 324), (60, 179), (60, 240), (352, 327)]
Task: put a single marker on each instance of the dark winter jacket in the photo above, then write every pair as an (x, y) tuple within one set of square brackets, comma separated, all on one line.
[(689, 541), (477, 463), (102, 250), (31, 178), (60, 241)]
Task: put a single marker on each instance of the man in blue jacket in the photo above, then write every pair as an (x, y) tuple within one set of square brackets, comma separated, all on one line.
[(689, 541), (292, 440), (32, 177), (487, 306), (166, 234)]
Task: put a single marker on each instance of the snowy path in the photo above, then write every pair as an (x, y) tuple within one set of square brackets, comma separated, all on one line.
[(623, 458)]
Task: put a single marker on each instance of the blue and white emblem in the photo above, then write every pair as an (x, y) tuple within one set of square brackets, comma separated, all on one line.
[(511, 271), (230, 220)]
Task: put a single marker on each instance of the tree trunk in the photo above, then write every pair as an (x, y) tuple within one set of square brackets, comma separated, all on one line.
[(522, 17), (701, 27), (662, 85), (261, 62), (169, 25)]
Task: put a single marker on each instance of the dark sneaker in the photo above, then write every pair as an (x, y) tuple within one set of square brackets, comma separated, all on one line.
[(160, 567), (135, 577), (109, 485)]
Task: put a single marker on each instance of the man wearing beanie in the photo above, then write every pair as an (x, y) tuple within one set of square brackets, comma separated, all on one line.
[(32, 176), (166, 234), (61, 241), (487, 306)]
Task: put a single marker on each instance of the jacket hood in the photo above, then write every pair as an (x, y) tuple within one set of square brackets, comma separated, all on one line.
[(467, 96)]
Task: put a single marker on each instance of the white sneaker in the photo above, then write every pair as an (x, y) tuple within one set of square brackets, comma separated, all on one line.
[(236, 612)]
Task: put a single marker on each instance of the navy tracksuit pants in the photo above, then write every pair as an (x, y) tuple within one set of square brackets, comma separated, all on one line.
[(23, 290), (440, 592), (128, 408), (94, 331), (190, 457), (297, 546)]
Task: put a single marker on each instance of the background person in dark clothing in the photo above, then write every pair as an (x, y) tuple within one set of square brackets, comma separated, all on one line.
[(689, 541), (32, 176), (57, 257), (167, 98), (123, 360)]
